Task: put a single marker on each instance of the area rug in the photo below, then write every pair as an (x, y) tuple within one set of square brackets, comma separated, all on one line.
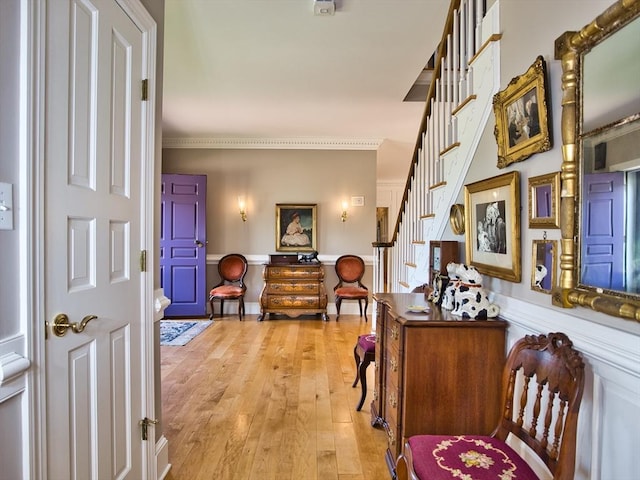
[(181, 332)]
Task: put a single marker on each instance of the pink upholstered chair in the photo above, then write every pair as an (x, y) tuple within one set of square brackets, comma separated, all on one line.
[(548, 375), (350, 270), (232, 269)]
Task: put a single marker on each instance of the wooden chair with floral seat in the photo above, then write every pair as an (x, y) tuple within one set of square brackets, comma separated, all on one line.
[(350, 270), (232, 269), (548, 375)]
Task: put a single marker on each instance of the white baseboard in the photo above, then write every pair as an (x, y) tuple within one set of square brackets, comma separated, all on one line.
[(162, 457), (347, 308)]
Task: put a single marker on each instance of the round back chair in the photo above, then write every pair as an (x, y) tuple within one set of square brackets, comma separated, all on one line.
[(350, 270), (232, 269)]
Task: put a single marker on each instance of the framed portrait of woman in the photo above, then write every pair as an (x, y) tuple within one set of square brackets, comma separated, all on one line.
[(296, 227)]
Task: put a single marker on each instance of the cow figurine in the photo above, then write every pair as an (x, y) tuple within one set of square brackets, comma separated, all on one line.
[(470, 299), (447, 296), (539, 275), (437, 290)]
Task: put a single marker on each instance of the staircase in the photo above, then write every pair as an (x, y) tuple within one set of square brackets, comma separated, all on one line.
[(458, 108)]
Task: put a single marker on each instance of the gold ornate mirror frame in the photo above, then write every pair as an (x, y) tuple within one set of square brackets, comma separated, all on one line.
[(569, 48)]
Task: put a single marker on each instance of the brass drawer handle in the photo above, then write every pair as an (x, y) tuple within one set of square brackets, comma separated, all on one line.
[(395, 333), (392, 437)]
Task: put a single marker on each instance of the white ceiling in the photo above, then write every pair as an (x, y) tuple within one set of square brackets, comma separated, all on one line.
[(270, 72)]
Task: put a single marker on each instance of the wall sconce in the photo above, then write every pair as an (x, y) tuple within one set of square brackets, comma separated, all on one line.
[(343, 217), (242, 206)]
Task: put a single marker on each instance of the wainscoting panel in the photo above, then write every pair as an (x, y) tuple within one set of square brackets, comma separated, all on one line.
[(609, 421)]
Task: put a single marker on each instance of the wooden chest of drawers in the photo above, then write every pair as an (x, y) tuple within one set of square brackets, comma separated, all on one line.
[(293, 290), (435, 373)]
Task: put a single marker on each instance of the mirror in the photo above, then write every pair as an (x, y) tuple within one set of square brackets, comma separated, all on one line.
[(609, 223), (601, 159), (543, 265), (544, 201)]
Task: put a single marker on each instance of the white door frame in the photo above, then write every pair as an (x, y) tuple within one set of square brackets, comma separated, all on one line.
[(31, 186)]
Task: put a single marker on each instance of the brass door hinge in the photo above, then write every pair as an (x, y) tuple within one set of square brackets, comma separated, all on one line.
[(143, 261), (144, 424), (145, 90)]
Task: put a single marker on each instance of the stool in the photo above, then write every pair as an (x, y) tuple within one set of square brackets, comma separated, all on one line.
[(364, 353)]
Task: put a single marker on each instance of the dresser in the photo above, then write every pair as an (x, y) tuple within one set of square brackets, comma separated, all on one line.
[(293, 289), (435, 373)]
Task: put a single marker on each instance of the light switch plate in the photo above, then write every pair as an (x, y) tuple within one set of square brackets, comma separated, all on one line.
[(6, 206)]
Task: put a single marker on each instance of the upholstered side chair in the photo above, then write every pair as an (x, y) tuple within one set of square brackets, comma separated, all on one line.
[(232, 269), (364, 353), (542, 388), (350, 270)]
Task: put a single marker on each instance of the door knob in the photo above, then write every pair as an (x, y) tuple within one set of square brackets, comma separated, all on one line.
[(198, 243), (61, 324)]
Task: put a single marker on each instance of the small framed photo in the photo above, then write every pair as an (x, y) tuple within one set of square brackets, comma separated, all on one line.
[(492, 226), (296, 229), (544, 201), (522, 123)]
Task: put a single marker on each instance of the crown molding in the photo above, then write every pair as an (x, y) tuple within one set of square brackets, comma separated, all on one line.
[(274, 143)]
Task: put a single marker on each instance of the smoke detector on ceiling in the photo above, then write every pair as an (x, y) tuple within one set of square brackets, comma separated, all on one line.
[(324, 8)]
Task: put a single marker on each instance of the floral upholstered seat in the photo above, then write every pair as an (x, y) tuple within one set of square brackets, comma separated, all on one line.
[(467, 457)]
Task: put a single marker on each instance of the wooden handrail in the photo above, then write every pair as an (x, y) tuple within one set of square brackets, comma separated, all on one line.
[(442, 51)]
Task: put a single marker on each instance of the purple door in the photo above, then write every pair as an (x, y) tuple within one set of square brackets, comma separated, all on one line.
[(603, 230), (183, 244)]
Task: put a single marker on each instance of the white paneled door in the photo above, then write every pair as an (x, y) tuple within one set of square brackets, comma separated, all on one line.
[(94, 158)]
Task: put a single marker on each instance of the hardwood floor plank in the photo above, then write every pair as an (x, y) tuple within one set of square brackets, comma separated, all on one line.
[(269, 400)]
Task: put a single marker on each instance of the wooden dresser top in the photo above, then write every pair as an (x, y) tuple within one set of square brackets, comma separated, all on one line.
[(399, 303)]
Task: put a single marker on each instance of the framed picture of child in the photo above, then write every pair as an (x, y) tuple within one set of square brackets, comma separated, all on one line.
[(296, 229)]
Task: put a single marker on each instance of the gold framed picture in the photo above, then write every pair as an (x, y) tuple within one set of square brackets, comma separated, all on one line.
[(492, 226), (296, 227), (544, 201), (522, 124)]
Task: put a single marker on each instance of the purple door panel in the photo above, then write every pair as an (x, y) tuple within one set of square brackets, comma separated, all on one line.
[(603, 231), (182, 244)]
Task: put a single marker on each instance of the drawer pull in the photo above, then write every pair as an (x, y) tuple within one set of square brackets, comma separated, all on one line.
[(392, 437)]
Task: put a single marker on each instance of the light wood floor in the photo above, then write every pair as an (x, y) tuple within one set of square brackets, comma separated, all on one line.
[(270, 400)]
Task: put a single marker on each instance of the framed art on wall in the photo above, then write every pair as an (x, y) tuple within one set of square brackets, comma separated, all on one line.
[(522, 124), (492, 226), (296, 229), (544, 201)]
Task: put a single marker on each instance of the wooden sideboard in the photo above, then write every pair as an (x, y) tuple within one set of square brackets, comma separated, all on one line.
[(435, 372), (293, 289)]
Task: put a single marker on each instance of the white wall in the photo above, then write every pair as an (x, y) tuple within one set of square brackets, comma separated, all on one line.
[(14, 392)]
